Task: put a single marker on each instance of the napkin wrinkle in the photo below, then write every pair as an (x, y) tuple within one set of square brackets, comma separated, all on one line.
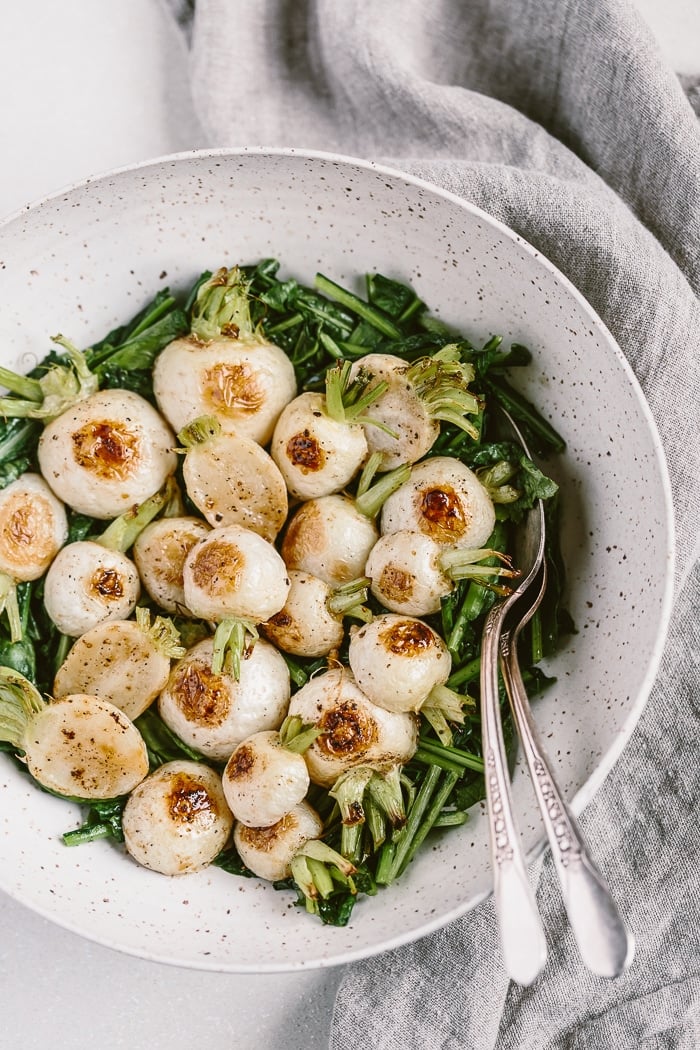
[(417, 997), (691, 87), (659, 338), (667, 1016), (560, 118), (653, 841), (654, 845), (494, 79), (183, 13)]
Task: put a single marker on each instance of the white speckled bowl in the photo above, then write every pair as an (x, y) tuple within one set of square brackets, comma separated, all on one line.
[(86, 259)]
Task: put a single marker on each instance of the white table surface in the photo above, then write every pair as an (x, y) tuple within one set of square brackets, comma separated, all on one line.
[(88, 85)]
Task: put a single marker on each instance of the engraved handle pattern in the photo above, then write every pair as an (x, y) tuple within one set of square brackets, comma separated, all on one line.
[(522, 937), (605, 943)]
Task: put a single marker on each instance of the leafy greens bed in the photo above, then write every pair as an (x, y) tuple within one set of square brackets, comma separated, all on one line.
[(375, 816)]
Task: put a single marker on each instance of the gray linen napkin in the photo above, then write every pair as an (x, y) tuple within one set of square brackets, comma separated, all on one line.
[(560, 118)]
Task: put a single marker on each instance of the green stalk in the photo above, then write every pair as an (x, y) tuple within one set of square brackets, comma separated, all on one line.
[(478, 593), (10, 606), (358, 306), (450, 702), (23, 386), (62, 649), (230, 641), (436, 719), (318, 850), (432, 812), (330, 346), (496, 480), (384, 789), (444, 705), (88, 833), (475, 602), (320, 877), (296, 736), (385, 863), (352, 349), (403, 841), (58, 388), (303, 877), (523, 411), (325, 312), (368, 473), (347, 600), (296, 672), (376, 824), (121, 533), (370, 500), (349, 791), (461, 564), (451, 819), (469, 672), (433, 753), (315, 866), (536, 639), (283, 326), (346, 398)]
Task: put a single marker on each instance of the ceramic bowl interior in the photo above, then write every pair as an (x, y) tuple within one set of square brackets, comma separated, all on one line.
[(87, 259)]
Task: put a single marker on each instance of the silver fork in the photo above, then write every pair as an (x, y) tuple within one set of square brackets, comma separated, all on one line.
[(523, 942), (605, 943)]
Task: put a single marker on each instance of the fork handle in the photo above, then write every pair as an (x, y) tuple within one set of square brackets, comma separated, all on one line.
[(604, 940), (522, 937)]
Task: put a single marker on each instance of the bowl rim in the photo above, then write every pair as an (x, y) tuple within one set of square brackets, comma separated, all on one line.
[(610, 756)]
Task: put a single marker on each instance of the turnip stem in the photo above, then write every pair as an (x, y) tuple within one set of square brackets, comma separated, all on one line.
[(371, 500), (296, 736), (348, 791), (230, 640), (222, 307), (376, 824), (162, 632), (23, 386), (315, 866), (19, 702), (199, 432), (385, 790), (9, 605), (347, 600), (441, 382), (365, 795), (436, 718), (59, 388), (121, 533), (346, 398)]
